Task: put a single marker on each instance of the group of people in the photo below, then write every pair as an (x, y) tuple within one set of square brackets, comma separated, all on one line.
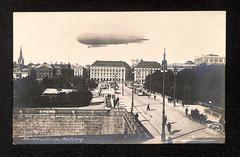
[(115, 102)]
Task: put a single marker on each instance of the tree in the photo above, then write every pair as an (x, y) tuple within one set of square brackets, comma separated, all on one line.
[(156, 82), (203, 83), (25, 91), (28, 91)]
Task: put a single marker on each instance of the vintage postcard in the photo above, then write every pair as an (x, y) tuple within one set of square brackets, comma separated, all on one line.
[(119, 77)]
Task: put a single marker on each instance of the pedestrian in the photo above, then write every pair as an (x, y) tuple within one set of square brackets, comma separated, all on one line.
[(114, 102), (169, 127), (154, 96), (186, 111), (183, 104), (148, 107), (197, 112), (169, 140), (118, 102), (136, 115)]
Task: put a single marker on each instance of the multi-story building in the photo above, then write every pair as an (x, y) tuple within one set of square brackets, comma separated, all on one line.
[(144, 68), (43, 70), (16, 73), (24, 72), (19, 73), (78, 70), (31, 68), (57, 70), (209, 59), (181, 66), (109, 70)]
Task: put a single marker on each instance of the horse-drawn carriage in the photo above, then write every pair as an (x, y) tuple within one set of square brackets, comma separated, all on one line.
[(198, 117)]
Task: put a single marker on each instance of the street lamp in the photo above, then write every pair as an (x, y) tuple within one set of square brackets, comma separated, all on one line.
[(50, 96), (174, 95), (164, 68), (122, 84), (132, 93), (150, 82)]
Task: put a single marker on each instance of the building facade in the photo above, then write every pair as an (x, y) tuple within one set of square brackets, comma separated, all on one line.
[(43, 70), (209, 59), (20, 72), (16, 73), (181, 66), (143, 69), (109, 70), (57, 70), (78, 70)]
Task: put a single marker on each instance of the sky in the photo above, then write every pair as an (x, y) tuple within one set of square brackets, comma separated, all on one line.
[(52, 36)]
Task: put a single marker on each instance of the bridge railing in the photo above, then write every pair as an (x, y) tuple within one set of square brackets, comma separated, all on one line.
[(133, 123), (57, 111)]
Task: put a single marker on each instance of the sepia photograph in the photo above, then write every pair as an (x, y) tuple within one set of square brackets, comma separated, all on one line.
[(139, 77)]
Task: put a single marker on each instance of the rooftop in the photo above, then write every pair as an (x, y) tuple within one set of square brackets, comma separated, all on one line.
[(148, 64), (212, 55), (111, 64), (44, 65), (77, 66), (189, 62)]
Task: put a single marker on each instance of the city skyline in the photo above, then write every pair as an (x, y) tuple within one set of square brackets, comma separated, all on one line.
[(50, 37)]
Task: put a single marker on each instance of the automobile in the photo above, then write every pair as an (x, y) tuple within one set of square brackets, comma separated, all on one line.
[(118, 91), (140, 93), (130, 87), (147, 93)]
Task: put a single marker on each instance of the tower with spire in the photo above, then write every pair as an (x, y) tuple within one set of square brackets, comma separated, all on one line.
[(20, 58), (164, 62)]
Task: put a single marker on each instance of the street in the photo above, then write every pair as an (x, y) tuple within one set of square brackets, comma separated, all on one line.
[(183, 129)]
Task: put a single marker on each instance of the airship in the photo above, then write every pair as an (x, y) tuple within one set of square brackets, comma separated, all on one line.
[(101, 40)]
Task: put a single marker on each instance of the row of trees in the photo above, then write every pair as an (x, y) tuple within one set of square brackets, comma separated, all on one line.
[(203, 83), (28, 91)]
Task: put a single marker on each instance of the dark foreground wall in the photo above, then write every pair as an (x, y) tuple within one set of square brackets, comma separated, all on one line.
[(67, 122), (29, 122)]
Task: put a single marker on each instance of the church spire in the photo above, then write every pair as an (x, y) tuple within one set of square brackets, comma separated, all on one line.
[(164, 62), (21, 52), (21, 59), (164, 55)]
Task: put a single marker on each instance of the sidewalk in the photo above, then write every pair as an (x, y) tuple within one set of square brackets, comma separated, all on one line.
[(185, 129), (125, 102), (190, 107)]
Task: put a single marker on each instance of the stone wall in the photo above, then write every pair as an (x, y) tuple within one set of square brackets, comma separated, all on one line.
[(62, 122)]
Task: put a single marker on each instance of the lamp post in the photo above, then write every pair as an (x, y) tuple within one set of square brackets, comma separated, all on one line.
[(174, 95), (122, 85), (150, 82), (50, 96), (132, 93), (164, 67)]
